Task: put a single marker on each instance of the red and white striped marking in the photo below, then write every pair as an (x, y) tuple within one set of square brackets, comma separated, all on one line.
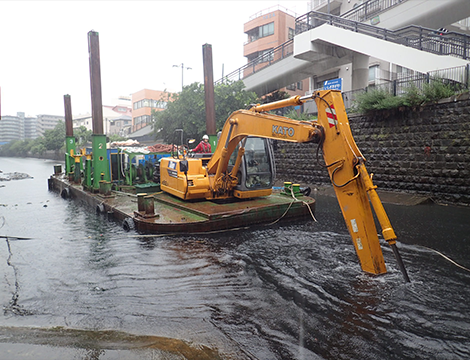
[(331, 115)]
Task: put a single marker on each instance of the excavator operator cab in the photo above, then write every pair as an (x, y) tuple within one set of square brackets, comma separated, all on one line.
[(257, 170)]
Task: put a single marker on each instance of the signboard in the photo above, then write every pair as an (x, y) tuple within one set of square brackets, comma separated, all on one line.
[(335, 84), (375, 20)]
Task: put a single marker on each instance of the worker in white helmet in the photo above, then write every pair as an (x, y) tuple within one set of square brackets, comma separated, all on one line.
[(203, 146)]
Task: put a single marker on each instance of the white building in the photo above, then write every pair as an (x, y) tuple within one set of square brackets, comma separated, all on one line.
[(47, 122), (12, 128), (21, 127), (370, 43), (120, 112)]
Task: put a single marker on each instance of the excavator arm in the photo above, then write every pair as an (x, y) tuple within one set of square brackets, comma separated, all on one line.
[(190, 179), (351, 182)]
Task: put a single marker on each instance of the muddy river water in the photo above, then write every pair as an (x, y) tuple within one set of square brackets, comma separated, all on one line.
[(83, 288)]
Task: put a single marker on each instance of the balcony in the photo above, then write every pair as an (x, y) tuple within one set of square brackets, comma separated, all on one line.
[(322, 5)]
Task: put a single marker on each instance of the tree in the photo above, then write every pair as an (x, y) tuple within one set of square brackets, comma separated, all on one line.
[(38, 147), (187, 110), (82, 135), (116, 137), (55, 139), (275, 96)]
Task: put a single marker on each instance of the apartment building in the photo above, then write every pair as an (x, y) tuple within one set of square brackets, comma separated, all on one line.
[(143, 102), (47, 122), (21, 127), (332, 50), (266, 31), (12, 128), (392, 15)]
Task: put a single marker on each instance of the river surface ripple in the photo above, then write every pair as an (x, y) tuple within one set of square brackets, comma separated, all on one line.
[(289, 291)]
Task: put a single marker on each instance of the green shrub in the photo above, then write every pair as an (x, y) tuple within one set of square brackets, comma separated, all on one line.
[(292, 114), (376, 100), (389, 102), (365, 102), (436, 89), (413, 96)]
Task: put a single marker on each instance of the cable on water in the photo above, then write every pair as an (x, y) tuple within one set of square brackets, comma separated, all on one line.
[(293, 201), (193, 233), (446, 257)]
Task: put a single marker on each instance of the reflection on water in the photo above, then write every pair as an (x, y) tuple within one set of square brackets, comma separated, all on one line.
[(290, 291)]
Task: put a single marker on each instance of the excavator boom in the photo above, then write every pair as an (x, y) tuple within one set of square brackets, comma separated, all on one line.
[(345, 164)]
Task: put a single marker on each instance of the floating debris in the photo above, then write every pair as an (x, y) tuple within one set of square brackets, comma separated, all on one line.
[(14, 176)]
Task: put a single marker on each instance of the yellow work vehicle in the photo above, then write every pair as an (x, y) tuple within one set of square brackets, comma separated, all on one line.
[(227, 173)]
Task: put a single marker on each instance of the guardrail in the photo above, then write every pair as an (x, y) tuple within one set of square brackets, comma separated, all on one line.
[(370, 9), (457, 77), (281, 52), (425, 39)]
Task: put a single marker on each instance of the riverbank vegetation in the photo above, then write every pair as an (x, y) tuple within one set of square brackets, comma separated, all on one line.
[(53, 140), (412, 96)]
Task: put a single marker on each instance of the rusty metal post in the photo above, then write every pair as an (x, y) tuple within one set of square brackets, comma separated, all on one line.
[(95, 82), (209, 89), (100, 155), (149, 205), (69, 138), (141, 202)]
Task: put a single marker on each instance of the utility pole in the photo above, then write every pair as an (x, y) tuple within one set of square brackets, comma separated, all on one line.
[(182, 70)]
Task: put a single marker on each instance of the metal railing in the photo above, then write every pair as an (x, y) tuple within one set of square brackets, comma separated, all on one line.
[(278, 53), (271, 9), (425, 39), (457, 77), (370, 9)]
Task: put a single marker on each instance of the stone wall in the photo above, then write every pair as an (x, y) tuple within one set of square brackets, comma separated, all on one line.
[(425, 150)]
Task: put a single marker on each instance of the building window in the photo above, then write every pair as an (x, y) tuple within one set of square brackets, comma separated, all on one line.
[(266, 30), (373, 73), (260, 32), (291, 87), (150, 103), (300, 85)]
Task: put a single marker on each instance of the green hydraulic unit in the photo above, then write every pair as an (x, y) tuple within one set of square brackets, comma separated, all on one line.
[(87, 177), (100, 160), (70, 147)]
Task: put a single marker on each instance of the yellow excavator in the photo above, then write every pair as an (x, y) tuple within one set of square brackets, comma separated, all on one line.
[(241, 167)]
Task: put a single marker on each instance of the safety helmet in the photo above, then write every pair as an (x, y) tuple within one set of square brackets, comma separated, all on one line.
[(205, 137)]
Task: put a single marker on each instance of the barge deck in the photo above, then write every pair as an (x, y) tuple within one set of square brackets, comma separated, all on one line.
[(168, 214)]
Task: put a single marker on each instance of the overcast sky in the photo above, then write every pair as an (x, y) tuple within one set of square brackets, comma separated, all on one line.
[(44, 49)]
